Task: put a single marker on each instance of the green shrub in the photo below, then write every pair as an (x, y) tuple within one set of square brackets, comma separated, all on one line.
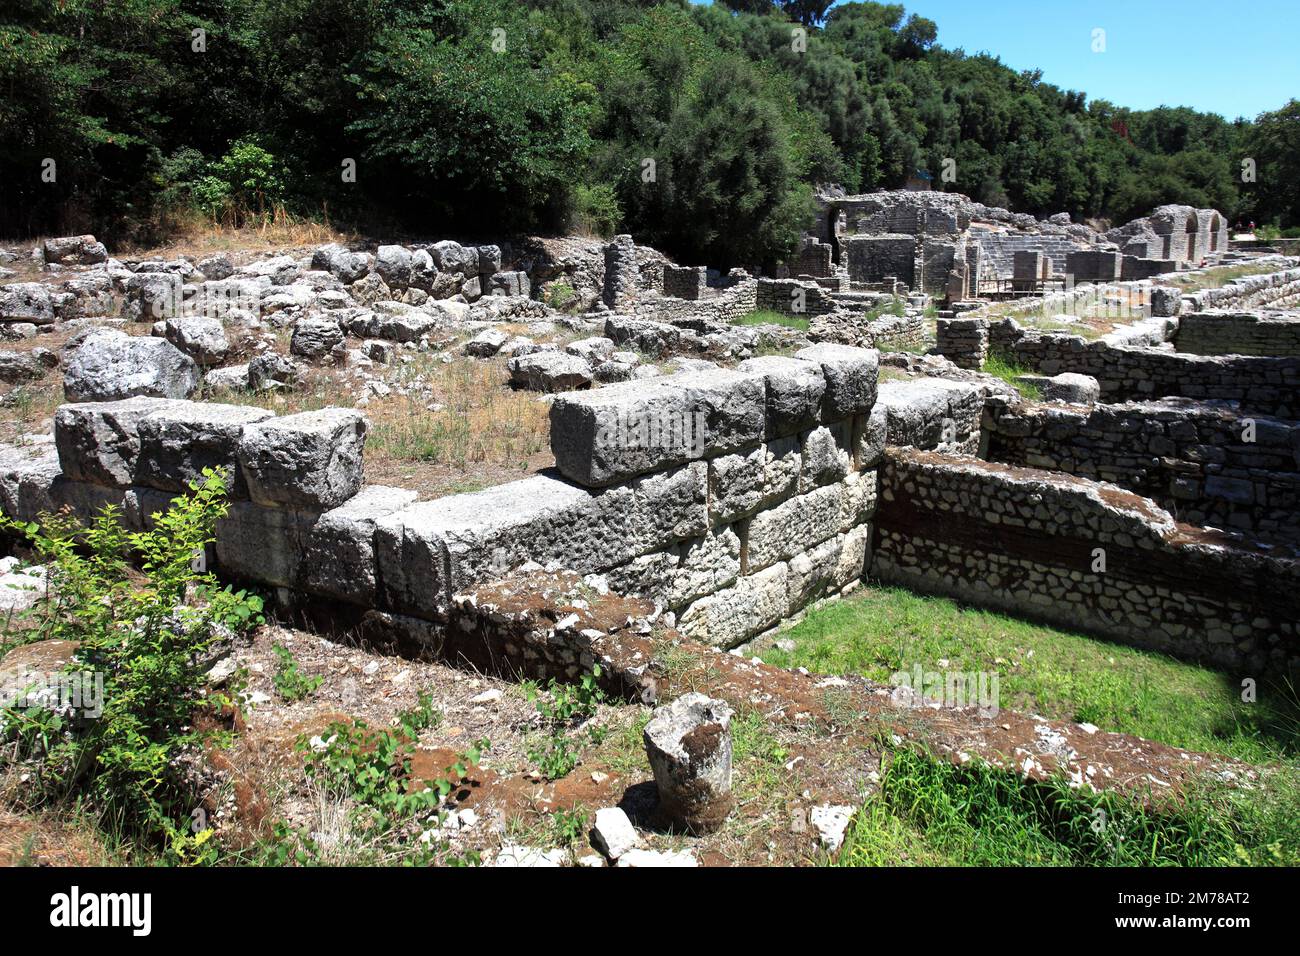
[(150, 642), (371, 769), (561, 707), (289, 680), (595, 209), (561, 296)]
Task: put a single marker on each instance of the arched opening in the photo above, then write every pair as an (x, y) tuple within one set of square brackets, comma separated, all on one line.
[(1215, 225), (1191, 238)]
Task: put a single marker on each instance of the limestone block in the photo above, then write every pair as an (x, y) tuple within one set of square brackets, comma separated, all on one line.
[(309, 460), (746, 481), (756, 603), (827, 454), (794, 392), (339, 560), (266, 545), (1166, 300), (869, 436), (684, 571), (851, 375), (393, 265), (795, 525), (177, 442), (433, 549), (630, 428), (109, 365), (859, 502), (828, 568), (200, 337), (99, 442)]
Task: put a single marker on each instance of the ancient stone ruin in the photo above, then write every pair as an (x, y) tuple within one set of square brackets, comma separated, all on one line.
[(1139, 480)]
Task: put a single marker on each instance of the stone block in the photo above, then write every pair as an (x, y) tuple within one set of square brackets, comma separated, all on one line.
[(827, 454), (851, 375), (756, 603), (794, 526), (684, 572), (339, 560), (179, 441), (794, 391), (99, 442), (630, 428), (310, 460), (869, 437), (433, 549)]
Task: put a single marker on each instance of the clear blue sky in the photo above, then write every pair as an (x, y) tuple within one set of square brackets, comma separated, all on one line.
[(1234, 57)]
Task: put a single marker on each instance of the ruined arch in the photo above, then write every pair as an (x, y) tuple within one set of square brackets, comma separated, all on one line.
[(1190, 229), (1216, 224)]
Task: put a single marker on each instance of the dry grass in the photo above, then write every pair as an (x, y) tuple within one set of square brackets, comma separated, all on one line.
[(459, 427), (198, 236)]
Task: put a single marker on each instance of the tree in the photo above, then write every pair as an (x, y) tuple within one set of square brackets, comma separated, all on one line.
[(726, 193)]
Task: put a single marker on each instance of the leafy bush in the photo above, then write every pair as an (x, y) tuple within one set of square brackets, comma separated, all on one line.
[(595, 209), (561, 295), (150, 641)]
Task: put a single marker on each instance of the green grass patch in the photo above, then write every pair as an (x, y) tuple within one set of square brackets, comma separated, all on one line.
[(768, 317), (930, 812), (1010, 373), (1049, 671)]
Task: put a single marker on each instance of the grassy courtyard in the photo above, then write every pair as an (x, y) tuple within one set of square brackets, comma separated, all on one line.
[(929, 812)]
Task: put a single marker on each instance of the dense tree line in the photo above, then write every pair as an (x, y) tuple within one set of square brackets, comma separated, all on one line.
[(699, 128)]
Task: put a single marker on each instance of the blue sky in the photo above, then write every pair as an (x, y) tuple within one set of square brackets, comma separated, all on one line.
[(1234, 57)]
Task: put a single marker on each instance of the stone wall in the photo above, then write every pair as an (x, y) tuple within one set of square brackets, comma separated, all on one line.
[(1198, 459), (1239, 333), (732, 497), (1279, 289), (964, 340), (872, 259), (794, 297), (1035, 543), (1261, 385)]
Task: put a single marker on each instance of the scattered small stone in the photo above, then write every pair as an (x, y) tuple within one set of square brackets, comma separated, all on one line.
[(831, 822), (613, 833), (514, 855)]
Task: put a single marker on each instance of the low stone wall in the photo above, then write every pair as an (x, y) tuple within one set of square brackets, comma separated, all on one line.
[(1239, 333), (732, 497), (964, 340), (1083, 556), (1278, 289), (933, 413), (794, 297), (1261, 385), (1198, 459)]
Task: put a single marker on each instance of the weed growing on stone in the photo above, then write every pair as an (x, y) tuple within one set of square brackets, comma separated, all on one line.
[(1010, 373), (561, 707)]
